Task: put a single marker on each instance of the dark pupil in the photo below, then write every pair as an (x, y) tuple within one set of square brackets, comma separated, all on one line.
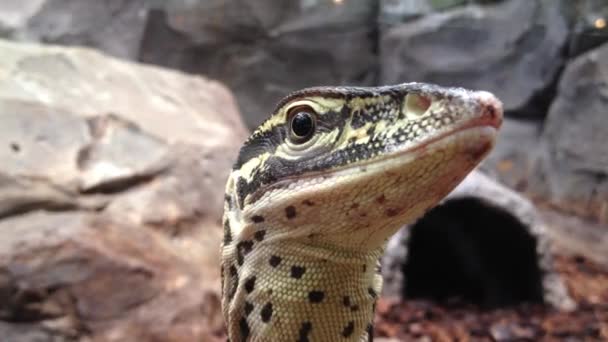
[(301, 124)]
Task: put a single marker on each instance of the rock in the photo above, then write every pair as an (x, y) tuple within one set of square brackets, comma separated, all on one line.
[(511, 48), (113, 26), (578, 236), (265, 51), (590, 27), (395, 11), (78, 271), (496, 205), (15, 15), (111, 192), (572, 171), (512, 159), (25, 332)]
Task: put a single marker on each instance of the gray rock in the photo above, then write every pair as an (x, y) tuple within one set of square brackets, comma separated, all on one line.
[(512, 48), (572, 171), (111, 192), (26, 332), (578, 236), (113, 26), (396, 11), (266, 50), (590, 28), (512, 159)]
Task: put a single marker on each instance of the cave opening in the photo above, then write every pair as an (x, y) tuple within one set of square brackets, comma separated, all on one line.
[(471, 251)]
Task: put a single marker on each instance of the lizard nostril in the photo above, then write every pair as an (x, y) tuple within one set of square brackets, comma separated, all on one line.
[(490, 107), (491, 112), (416, 105)]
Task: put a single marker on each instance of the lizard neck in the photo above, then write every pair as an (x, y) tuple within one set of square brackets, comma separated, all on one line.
[(291, 291)]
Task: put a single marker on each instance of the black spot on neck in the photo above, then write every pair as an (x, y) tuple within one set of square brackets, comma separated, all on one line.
[(346, 301), (250, 284), (274, 260), (248, 308), (348, 329), (266, 312), (242, 249), (259, 235), (244, 328), (297, 271), (305, 329), (316, 296)]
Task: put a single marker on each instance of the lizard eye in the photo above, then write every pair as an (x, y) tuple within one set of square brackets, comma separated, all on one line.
[(302, 124)]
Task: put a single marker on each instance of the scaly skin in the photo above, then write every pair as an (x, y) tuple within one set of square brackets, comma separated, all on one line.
[(307, 216)]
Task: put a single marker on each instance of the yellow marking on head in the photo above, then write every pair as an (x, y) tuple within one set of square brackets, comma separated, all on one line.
[(360, 136), (246, 171), (323, 105), (381, 126), (360, 103)]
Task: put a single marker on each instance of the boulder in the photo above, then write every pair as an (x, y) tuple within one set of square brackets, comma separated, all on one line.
[(572, 171), (589, 28), (512, 159), (512, 48), (396, 11), (111, 192), (112, 26), (266, 50)]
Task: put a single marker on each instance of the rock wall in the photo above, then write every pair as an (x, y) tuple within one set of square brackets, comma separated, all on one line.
[(513, 49), (111, 190), (573, 170)]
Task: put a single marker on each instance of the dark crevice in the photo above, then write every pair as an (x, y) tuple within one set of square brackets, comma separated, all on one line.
[(373, 74), (157, 29), (27, 305), (467, 250), (540, 102), (25, 208), (118, 185), (15, 147)]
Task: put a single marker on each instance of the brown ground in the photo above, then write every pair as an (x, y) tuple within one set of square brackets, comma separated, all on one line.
[(422, 321)]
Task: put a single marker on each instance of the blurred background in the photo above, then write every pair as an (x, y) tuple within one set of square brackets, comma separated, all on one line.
[(120, 120)]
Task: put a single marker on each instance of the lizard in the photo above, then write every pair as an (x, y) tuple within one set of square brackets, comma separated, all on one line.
[(318, 189)]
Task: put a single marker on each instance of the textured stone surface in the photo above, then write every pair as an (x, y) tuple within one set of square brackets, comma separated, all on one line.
[(573, 169), (266, 50), (590, 28), (512, 159), (113, 26), (512, 48), (395, 11), (111, 191)]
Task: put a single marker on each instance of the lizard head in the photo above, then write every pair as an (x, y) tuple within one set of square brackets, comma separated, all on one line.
[(346, 167)]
